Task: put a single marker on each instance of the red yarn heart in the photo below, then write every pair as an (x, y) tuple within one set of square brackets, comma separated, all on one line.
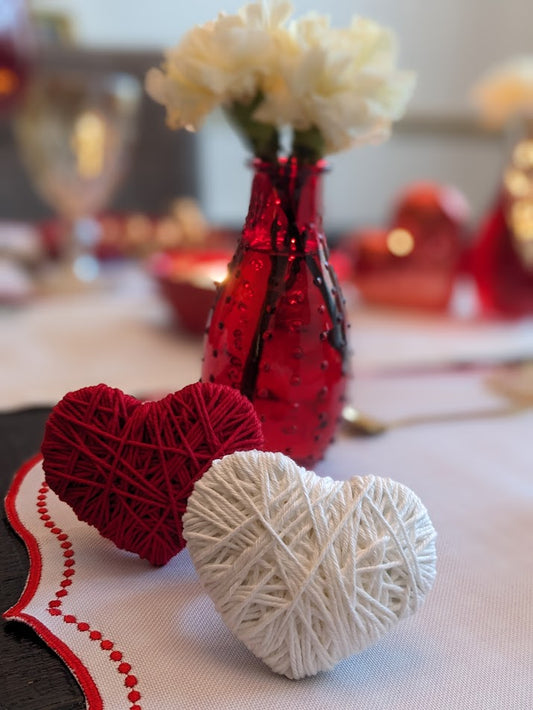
[(128, 467)]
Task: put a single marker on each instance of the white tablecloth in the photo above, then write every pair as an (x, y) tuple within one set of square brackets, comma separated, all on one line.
[(471, 645), (123, 335)]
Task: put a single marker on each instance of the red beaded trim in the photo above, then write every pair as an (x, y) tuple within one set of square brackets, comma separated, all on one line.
[(55, 606)]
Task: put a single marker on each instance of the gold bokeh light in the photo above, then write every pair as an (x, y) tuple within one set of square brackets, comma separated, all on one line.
[(517, 182), (523, 155), (88, 143), (522, 220), (9, 82), (400, 242)]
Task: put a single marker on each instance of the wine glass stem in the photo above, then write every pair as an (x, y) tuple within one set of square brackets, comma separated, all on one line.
[(85, 233)]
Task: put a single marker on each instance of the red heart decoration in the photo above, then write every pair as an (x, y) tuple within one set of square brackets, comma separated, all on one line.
[(128, 467)]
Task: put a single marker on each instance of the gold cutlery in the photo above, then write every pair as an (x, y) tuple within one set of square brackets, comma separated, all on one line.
[(515, 384)]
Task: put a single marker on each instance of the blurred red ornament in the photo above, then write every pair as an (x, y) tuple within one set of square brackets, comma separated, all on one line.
[(415, 261), (502, 256), (503, 276)]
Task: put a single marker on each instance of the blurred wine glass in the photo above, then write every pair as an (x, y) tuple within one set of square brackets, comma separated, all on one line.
[(16, 49), (75, 131)]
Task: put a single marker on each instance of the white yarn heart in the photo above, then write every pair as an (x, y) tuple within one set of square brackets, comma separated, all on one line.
[(304, 570)]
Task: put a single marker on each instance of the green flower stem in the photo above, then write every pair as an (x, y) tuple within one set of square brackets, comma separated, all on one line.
[(263, 138), (308, 146)]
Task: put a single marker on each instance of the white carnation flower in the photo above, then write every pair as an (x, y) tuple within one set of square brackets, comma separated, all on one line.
[(226, 60), (340, 86), (341, 81)]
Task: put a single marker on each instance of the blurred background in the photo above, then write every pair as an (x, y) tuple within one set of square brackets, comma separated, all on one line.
[(438, 179), (448, 44)]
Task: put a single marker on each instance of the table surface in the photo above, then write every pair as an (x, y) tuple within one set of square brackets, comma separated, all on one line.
[(474, 477)]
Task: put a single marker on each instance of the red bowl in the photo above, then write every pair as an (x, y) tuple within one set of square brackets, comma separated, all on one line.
[(187, 280)]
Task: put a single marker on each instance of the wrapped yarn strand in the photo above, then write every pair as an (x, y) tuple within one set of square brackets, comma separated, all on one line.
[(127, 467), (305, 570)]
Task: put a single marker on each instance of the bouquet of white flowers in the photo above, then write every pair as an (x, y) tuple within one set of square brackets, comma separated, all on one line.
[(333, 87)]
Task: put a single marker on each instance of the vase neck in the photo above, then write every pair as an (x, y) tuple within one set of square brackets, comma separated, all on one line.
[(285, 213)]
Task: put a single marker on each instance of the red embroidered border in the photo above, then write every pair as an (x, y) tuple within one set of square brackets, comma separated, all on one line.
[(55, 605)]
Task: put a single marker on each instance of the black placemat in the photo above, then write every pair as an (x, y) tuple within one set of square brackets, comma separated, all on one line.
[(32, 677)]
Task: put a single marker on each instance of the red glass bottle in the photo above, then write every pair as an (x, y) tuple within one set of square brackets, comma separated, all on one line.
[(502, 257), (278, 327)]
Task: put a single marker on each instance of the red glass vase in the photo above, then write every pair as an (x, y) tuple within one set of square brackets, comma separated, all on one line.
[(502, 257), (503, 275), (277, 331)]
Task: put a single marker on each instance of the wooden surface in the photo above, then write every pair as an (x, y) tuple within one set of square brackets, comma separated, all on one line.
[(31, 676)]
